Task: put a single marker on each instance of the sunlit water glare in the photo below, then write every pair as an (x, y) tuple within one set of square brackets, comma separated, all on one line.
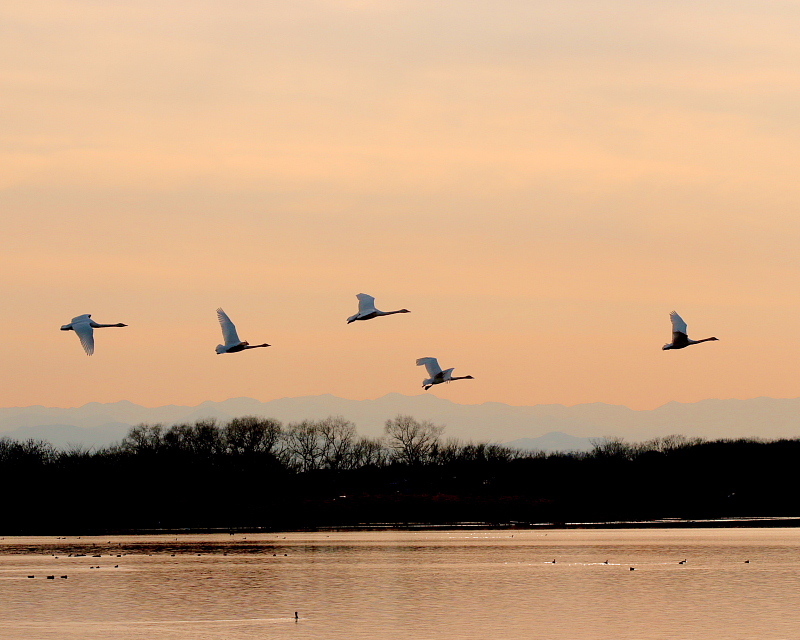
[(409, 585)]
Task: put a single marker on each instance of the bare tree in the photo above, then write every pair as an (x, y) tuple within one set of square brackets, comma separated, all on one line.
[(251, 434), (28, 451), (668, 443), (143, 438), (611, 447), (413, 442), (203, 438), (449, 451), (304, 445), (369, 452), (338, 437)]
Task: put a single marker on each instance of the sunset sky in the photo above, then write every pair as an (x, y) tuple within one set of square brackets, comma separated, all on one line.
[(540, 183)]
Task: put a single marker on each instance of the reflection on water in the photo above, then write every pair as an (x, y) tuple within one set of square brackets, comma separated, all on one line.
[(420, 585)]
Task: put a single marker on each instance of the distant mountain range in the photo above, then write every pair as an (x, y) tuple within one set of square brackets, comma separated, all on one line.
[(548, 427)]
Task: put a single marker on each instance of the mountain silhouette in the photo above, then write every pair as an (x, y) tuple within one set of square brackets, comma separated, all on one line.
[(97, 424)]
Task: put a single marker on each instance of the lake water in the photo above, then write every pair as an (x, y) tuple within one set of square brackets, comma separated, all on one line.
[(409, 585)]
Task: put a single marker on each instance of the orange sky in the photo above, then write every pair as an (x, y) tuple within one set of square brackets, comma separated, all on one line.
[(540, 183)]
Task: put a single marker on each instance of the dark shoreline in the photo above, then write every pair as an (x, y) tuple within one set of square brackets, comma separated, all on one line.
[(667, 523), (206, 478)]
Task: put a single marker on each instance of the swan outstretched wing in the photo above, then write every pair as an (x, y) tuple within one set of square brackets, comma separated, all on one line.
[(85, 333), (366, 304), (678, 323), (84, 318), (229, 334), (680, 338), (431, 364)]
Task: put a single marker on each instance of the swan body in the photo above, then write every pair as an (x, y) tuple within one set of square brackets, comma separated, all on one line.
[(84, 327), (232, 342), (437, 376), (680, 337), (367, 310)]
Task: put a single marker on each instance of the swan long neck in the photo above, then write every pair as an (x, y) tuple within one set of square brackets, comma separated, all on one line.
[(703, 340), (389, 313)]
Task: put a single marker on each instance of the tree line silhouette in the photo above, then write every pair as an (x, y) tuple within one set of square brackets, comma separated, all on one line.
[(255, 473)]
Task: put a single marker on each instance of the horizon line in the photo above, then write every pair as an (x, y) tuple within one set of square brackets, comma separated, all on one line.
[(395, 393)]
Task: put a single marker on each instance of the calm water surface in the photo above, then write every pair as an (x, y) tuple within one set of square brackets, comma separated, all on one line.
[(409, 585)]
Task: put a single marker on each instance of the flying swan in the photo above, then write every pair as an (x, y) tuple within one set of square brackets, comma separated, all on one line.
[(231, 338), (680, 339), (437, 376), (367, 310), (84, 326)]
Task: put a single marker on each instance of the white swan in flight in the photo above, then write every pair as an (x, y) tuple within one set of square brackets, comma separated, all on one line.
[(437, 376), (231, 338), (84, 327), (680, 338), (367, 310)]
